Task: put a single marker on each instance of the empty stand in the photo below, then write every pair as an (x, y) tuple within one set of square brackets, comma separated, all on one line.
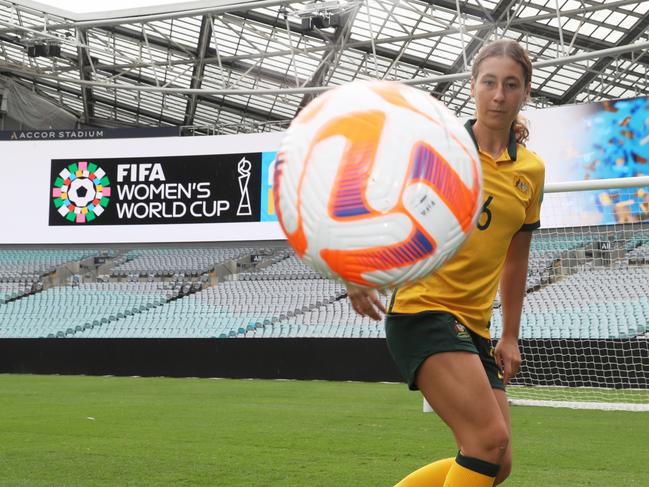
[(609, 303), (71, 310), (17, 262), (168, 261), (334, 319), (230, 309), (570, 294)]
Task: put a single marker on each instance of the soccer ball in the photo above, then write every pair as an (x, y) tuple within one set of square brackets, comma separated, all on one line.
[(82, 192), (377, 184)]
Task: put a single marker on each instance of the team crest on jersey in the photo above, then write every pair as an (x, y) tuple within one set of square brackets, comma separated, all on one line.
[(521, 185), (461, 331)]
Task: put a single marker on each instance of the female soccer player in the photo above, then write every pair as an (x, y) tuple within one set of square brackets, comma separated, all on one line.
[(438, 328)]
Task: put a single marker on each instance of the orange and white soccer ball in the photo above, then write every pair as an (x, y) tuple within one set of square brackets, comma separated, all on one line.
[(377, 183)]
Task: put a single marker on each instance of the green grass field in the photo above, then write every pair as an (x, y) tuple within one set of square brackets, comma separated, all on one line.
[(109, 431)]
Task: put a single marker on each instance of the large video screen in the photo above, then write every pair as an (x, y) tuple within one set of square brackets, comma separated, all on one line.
[(219, 188), (593, 141), (159, 189)]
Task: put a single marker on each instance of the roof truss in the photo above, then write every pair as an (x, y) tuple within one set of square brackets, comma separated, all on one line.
[(239, 65)]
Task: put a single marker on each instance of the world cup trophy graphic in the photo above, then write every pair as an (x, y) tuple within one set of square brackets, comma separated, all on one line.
[(243, 167)]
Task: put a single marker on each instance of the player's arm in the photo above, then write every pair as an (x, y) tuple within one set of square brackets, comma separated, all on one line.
[(365, 302), (512, 293)]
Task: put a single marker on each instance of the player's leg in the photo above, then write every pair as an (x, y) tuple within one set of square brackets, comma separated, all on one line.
[(435, 473), (506, 462), (494, 375), (431, 475), (418, 338), (457, 388)]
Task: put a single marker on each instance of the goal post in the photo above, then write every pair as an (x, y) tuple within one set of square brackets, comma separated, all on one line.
[(585, 324)]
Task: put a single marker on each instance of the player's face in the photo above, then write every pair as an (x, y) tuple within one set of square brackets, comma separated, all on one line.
[(499, 91)]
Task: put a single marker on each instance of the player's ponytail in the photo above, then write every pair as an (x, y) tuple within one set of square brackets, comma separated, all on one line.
[(519, 126)]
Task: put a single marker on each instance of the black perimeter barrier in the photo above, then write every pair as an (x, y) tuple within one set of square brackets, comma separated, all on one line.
[(575, 363), (359, 359)]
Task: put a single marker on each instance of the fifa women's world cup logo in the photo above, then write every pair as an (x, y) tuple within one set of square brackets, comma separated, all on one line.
[(81, 192), (243, 167)]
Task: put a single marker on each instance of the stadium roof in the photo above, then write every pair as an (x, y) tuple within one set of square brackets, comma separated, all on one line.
[(229, 66)]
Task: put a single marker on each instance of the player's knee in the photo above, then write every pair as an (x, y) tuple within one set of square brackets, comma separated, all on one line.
[(492, 443), (498, 443), (504, 470)]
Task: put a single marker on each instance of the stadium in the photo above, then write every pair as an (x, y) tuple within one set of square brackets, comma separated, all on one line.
[(156, 327)]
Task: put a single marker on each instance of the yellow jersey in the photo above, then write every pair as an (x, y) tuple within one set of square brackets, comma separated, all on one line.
[(466, 285)]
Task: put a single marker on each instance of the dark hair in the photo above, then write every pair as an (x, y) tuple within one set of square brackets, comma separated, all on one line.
[(513, 50)]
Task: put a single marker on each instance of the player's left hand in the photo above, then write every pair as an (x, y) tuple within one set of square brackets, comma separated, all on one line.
[(508, 357)]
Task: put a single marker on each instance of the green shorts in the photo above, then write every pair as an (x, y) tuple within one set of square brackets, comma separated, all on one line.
[(412, 338)]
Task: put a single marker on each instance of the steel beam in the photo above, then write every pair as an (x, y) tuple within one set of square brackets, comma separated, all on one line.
[(208, 58), (199, 67), (211, 100), (530, 25), (362, 46), (526, 24), (503, 7), (330, 57), (84, 74), (214, 101), (613, 51), (98, 99), (601, 64)]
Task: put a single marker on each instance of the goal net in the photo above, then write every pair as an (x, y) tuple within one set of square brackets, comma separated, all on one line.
[(585, 323)]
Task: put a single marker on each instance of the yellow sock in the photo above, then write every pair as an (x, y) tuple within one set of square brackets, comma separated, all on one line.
[(471, 472), (431, 475)]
